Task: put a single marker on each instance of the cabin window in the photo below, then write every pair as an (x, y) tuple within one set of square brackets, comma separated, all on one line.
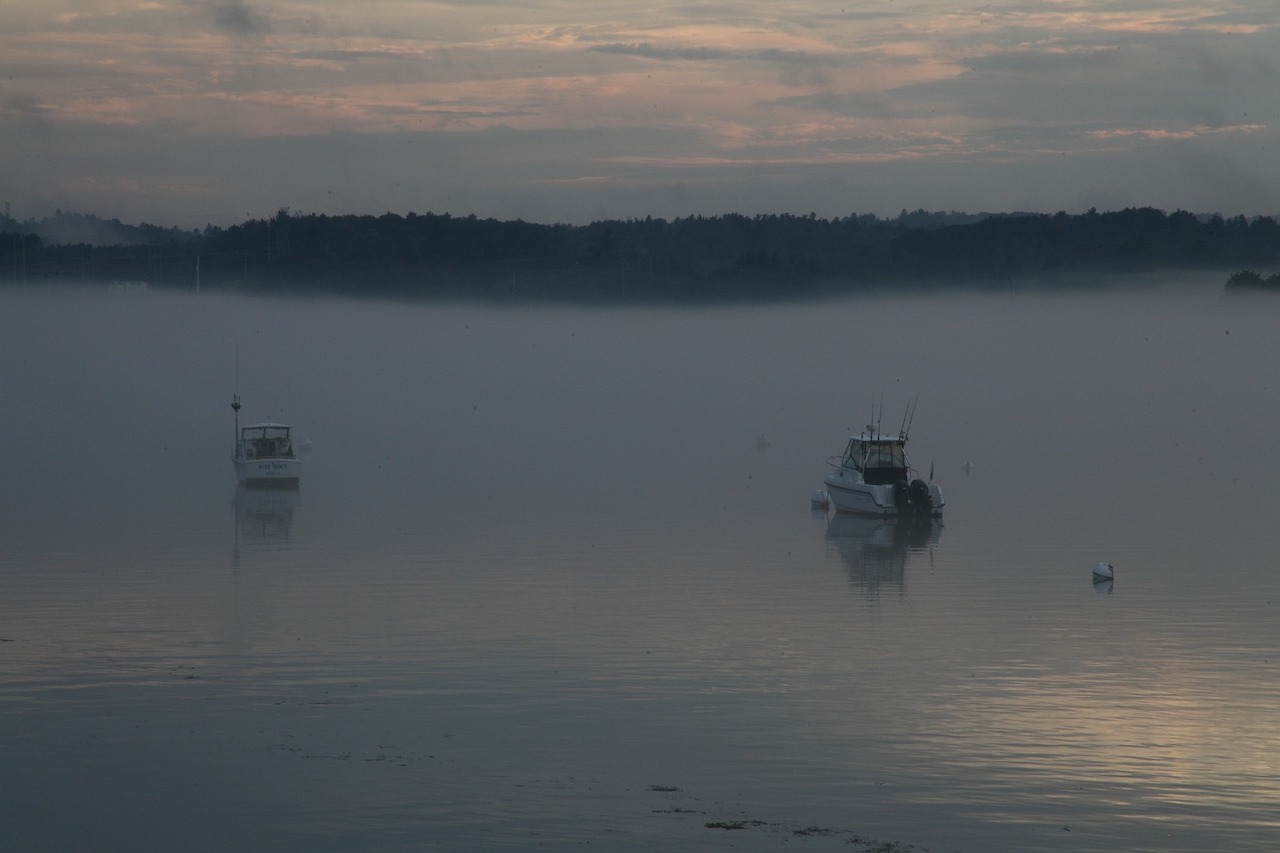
[(853, 455), (886, 456)]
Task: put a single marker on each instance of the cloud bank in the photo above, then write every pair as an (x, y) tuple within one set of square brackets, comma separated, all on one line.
[(188, 113)]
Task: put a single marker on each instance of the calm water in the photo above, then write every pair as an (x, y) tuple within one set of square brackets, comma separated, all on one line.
[(552, 577)]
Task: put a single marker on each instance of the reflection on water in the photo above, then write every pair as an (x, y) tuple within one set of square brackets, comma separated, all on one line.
[(265, 515), (875, 551)]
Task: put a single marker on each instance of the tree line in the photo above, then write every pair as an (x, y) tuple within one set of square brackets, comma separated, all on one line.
[(1253, 280), (697, 257)]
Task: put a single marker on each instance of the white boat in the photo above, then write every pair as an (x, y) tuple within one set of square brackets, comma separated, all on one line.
[(264, 454), (873, 477)]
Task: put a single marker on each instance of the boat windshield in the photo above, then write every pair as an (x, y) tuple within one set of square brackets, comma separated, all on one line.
[(885, 455), (879, 461), (264, 441)]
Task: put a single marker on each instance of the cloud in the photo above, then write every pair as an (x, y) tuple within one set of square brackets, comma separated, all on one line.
[(1160, 134), (23, 108), (235, 17), (874, 105), (707, 54), (574, 110)]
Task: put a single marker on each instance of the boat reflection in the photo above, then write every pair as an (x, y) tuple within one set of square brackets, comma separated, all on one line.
[(875, 550), (265, 516)]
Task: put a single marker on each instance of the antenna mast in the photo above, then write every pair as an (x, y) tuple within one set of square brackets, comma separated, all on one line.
[(235, 402)]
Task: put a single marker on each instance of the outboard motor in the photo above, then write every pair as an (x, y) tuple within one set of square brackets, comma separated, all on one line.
[(921, 500), (902, 497)]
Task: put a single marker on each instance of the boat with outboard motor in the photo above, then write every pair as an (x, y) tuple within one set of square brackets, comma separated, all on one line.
[(264, 454), (873, 477)]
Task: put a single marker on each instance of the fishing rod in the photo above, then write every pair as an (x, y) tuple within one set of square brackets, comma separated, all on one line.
[(907, 420)]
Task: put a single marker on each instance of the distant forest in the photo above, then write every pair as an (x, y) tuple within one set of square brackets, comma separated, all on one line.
[(694, 258)]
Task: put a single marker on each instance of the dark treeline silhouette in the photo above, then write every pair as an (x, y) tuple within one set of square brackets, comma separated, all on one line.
[(1252, 280), (67, 228), (697, 258)]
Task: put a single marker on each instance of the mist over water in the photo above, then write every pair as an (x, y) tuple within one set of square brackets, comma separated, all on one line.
[(551, 576)]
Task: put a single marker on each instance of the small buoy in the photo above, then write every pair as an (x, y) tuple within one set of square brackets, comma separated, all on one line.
[(818, 500), (1103, 572)]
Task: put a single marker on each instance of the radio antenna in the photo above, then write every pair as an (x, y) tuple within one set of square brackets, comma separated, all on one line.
[(235, 399)]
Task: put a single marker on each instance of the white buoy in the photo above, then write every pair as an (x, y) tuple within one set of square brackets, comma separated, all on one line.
[(1103, 572), (818, 500)]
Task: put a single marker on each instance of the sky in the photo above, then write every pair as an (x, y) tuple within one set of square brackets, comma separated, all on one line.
[(197, 112)]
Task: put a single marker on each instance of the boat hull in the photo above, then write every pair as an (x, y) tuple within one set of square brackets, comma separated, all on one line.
[(855, 497), (849, 494), (269, 471)]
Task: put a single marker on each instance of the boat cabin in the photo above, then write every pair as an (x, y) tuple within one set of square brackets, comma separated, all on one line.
[(266, 441), (880, 461)]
